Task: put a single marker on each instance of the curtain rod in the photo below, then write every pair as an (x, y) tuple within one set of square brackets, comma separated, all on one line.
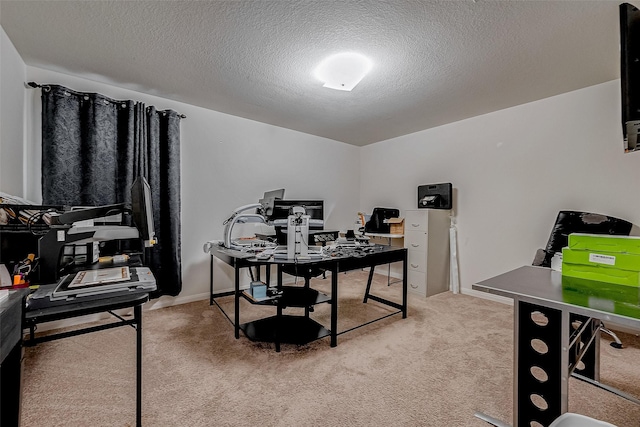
[(34, 85)]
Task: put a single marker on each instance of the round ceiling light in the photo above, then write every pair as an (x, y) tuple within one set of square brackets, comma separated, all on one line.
[(343, 71)]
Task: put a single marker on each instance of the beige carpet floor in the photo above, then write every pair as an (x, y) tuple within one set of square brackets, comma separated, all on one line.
[(451, 357)]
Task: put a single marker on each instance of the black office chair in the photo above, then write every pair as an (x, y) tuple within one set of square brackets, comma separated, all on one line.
[(569, 222), (377, 224)]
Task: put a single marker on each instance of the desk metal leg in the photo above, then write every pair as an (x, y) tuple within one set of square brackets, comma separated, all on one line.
[(276, 333), (137, 313), (334, 304), (404, 286), (278, 312), (237, 302), (541, 364), (590, 337), (389, 282), (369, 280), (211, 281)]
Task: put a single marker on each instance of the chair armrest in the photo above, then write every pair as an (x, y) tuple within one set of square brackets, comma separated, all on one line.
[(540, 258)]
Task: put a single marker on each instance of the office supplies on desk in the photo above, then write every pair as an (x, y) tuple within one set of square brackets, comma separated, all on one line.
[(252, 244), (5, 277), (137, 277), (281, 252), (569, 223), (55, 294), (102, 276), (258, 290), (219, 246), (355, 240)]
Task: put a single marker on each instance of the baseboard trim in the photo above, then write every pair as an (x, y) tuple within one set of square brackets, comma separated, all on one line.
[(486, 295), (167, 301)]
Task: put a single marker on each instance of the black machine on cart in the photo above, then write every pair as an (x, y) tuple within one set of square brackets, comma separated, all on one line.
[(65, 242)]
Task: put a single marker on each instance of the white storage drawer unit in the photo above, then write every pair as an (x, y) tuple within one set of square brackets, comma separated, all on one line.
[(426, 236)]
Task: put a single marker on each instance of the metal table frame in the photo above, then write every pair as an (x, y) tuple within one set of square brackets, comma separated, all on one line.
[(382, 255), (75, 309), (389, 238), (569, 333)]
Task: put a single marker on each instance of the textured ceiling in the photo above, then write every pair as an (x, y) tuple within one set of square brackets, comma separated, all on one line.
[(435, 62)]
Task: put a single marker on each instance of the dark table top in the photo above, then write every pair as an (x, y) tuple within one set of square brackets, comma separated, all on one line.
[(347, 258), (81, 306)]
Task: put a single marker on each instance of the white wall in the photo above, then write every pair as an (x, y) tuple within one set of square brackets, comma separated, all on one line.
[(12, 104), (512, 171), (227, 162)]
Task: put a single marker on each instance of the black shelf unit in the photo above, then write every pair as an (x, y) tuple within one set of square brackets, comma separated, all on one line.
[(289, 329), (286, 329), (292, 296)]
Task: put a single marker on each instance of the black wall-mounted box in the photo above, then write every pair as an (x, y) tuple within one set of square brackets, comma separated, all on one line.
[(435, 196)]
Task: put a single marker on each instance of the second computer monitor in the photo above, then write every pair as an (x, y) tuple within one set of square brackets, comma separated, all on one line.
[(268, 201), (313, 208)]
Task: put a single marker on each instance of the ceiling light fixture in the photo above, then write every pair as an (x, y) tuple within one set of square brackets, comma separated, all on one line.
[(343, 71)]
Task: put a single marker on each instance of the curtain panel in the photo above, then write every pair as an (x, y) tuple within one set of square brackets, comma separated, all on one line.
[(93, 148)]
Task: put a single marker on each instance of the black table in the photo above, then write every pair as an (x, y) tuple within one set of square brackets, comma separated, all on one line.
[(300, 330), (562, 316), (80, 307)]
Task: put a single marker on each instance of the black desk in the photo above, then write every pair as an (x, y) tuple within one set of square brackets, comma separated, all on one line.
[(546, 306), (308, 330), (114, 301)]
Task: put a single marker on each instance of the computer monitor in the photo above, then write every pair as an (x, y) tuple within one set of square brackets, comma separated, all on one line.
[(142, 210), (629, 69), (313, 208), (268, 201)]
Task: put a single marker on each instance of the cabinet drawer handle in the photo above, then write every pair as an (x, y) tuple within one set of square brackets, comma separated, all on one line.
[(415, 225), (414, 245), (414, 265), (413, 286)]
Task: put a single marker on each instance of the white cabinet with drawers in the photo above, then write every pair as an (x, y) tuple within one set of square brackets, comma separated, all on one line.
[(426, 236)]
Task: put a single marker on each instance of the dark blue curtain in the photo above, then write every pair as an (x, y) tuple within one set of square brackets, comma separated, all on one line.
[(93, 148)]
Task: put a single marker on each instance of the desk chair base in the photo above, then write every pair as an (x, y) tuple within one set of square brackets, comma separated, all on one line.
[(490, 420), (616, 341)]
